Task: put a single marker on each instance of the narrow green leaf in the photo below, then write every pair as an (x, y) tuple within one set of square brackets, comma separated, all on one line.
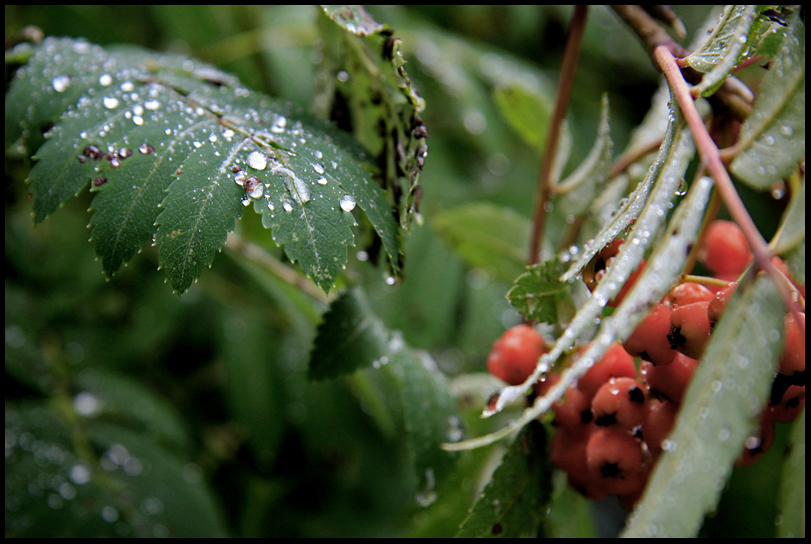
[(587, 182), (540, 295), (486, 236), (728, 390), (773, 137), (513, 503), (791, 516)]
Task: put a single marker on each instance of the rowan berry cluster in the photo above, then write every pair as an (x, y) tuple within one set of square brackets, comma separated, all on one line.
[(613, 424)]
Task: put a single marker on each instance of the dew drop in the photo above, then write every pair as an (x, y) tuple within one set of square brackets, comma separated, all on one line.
[(105, 80), (322, 180), (246, 200), (319, 168), (60, 83), (110, 102), (279, 124), (257, 160), (347, 203), (318, 154), (287, 206)]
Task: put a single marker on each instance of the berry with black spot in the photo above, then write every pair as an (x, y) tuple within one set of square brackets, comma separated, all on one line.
[(649, 339), (614, 459), (620, 404), (690, 329), (671, 381)]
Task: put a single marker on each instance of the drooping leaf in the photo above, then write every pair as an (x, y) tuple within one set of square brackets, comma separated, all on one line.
[(540, 295), (486, 236), (728, 390), (170, 142), (402, 388), (513, 503), (773, 136)]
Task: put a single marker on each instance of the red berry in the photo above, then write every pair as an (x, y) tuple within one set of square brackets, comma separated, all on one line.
[(659, 422), (594, 271), (792, 360), (573, 411), (725, 249), (515, 354), (719, 303), (670, 381), (614, 459), (688, 292), (649, 339), (620, 404), (690, 329), (615, 363)]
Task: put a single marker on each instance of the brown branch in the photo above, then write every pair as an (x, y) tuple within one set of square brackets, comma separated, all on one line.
[(570, 55)]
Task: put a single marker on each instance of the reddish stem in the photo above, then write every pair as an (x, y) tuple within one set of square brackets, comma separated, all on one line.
[(711, 158), (570, 55)]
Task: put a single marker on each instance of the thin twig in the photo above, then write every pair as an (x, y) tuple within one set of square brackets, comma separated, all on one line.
[(572, 52)]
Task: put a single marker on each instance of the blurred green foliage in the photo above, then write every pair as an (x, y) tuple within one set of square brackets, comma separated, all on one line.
[(211, 389)]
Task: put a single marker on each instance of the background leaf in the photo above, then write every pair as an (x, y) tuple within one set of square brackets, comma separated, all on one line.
[(773, 136)]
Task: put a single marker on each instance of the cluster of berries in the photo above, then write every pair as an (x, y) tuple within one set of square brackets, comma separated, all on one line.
[(612, 426)]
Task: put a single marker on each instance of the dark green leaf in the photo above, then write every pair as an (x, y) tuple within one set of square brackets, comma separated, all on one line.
[(513, 503), (177, 144), (350, 337), (773, 137)]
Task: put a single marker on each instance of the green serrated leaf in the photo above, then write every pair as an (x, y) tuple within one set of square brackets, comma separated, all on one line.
[(176, 144), (350, 337), (723, 47), (540, 295), (773, 137), (728, 390), (513, 503), (486, 236)]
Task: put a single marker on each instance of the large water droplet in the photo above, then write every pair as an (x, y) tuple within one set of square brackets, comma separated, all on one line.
[(60, 83), (347, 203), (110, 102), (257, 160)]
